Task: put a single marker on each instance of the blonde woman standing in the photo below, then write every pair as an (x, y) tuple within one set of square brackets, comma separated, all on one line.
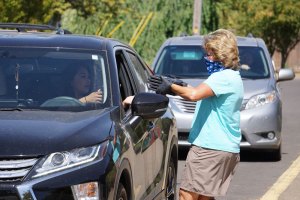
[(215, 134)]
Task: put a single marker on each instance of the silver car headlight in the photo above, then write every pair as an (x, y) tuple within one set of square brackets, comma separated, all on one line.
[(260, 100), (59, 161)]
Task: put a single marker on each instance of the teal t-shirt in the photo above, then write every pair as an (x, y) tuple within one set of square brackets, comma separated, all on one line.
[(216, 123)]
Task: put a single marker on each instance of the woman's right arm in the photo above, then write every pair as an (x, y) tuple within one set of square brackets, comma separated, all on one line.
[(193, 93), (94, 97)]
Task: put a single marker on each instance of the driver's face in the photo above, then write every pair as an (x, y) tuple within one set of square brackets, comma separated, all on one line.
[(81, 82)]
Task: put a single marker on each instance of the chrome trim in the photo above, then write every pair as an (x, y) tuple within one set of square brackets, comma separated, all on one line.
[(14, 173), (15, 169), (15, 164), (183, 143), (245, 144)]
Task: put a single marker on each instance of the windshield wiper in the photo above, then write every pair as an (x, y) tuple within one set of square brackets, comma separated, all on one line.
[(249, 78)]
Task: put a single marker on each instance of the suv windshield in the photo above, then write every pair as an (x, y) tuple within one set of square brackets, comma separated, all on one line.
[(43, 78), (188, 62)]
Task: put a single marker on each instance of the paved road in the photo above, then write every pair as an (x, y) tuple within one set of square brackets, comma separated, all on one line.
[(256, 175)]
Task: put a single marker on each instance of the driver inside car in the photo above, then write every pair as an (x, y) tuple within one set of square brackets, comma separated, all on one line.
[(79, 85)]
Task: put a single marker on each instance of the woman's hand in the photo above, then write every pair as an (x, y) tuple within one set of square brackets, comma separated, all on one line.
[(94, 97)]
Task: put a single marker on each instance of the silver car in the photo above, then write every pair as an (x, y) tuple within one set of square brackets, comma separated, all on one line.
[(261, 111)]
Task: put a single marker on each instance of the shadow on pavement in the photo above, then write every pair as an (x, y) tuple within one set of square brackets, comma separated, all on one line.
[(182, 153), (246, 155), (256, 156)]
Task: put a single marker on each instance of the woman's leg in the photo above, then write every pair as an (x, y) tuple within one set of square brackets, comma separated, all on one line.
[(205, 198), (187, 195)]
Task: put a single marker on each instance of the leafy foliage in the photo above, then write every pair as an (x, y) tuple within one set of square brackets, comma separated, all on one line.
[(147, 24), (210, 18), (33, 11), (276, 21)]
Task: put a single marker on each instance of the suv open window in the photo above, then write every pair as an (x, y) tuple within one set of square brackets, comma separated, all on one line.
[(139, 71), (125, 81), (40, 78)]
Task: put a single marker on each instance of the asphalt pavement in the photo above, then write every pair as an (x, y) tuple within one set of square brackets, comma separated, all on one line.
[(287, 185), (292, 192)]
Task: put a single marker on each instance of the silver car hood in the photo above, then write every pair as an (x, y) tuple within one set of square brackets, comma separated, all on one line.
[(255, 87), (251, 86)]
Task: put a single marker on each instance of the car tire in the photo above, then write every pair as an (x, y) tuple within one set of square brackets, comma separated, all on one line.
[(121, 193), (276, 154), (171, 181)]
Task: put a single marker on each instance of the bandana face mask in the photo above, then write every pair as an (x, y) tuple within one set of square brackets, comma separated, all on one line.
[(213, 66)]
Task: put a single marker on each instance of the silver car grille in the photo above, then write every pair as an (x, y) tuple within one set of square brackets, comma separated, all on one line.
[(184, 105), (15, 169)]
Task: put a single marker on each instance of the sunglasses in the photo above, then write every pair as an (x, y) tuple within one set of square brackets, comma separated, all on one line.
[(209, 54)]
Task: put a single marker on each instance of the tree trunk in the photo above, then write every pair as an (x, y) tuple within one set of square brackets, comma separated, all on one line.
[(284, 56)]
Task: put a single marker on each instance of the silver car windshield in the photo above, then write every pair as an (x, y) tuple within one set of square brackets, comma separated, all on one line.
[(43, 78), (188, 62), (253, 63)]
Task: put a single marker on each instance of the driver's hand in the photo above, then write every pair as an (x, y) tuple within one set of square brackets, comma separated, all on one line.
[(127, 101), (94, 97)]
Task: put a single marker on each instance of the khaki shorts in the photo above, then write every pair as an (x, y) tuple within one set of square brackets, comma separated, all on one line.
[(208, 172)]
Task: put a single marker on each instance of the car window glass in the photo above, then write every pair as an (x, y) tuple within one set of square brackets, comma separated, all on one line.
[(187, 62), (182, 61), (140, 72), (40, 78), (125, 81), (253, 63)]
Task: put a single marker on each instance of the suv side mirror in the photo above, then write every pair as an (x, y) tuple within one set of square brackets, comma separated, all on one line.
[(285, 74), (149, 105)]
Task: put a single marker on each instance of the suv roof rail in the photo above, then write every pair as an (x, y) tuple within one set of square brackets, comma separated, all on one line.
[(22, 27)]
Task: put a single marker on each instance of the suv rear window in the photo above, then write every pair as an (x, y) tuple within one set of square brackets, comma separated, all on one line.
[(31, 77), (188, 62)]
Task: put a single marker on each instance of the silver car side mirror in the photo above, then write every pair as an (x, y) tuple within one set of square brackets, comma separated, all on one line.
[(285, 74)]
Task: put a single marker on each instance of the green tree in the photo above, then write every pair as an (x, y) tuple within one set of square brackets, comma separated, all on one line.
[(280, 27), (276, 21), (33, 11), (170, 18), (108, 18), (89, 16), (210, 18)]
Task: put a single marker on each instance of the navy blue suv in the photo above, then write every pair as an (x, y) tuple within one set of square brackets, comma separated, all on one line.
[(54, 145)]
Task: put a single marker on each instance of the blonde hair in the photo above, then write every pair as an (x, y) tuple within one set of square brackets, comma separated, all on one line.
[(222, 43)]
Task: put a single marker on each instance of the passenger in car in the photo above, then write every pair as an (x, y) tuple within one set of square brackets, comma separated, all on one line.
[(79, 85), (247, 61)]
